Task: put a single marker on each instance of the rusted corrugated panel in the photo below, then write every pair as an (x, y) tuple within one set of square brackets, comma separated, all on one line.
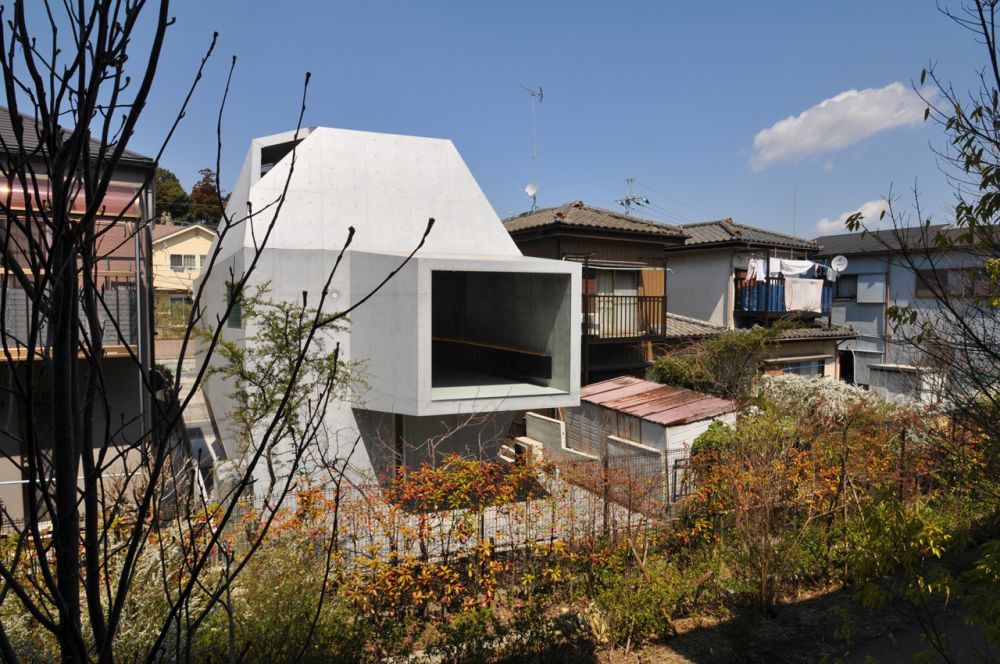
[(654, 402), (693, 412)]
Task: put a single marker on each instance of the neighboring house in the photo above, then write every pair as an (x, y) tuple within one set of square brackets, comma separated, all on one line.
[(468, 332), (625, 304), (649, 287), (638, 432), (179, 254), (877, 278), (708, 281), (123, 252)]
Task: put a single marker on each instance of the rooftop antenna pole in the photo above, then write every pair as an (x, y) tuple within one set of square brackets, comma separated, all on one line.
[(532, 189), (631, 199), (795, 205)]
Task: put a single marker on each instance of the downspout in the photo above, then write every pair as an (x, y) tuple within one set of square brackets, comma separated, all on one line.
[(144, 299), (730, 321), (886, 339)]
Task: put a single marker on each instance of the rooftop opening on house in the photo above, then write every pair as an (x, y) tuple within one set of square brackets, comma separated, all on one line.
[(499, 334)]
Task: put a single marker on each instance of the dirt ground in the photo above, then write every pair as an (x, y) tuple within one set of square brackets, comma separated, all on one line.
[(829, 627)]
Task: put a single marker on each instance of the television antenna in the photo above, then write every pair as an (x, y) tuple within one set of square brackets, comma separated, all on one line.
[(631, 199), (532, 189)]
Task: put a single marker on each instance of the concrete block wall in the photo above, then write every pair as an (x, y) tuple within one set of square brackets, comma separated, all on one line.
[(551, 433)]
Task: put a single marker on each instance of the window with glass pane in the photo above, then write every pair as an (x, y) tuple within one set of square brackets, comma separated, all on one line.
[(807, 368), (847, 287), (182, 262)]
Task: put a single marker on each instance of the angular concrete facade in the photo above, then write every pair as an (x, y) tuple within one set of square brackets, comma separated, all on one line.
[(467, 331)]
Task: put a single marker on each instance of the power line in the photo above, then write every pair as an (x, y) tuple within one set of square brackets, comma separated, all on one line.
[(678, 201), (631, 199)]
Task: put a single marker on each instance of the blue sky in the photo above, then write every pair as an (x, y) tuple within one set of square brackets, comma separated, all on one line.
[(670, 93)]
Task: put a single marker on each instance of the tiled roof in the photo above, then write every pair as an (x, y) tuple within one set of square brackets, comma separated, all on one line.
[(885, 241), (578, 215), (684, 326), (663, 404), (8, 140), (728, 231), (817, 332)]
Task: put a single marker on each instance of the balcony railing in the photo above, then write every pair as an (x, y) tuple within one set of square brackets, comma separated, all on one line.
[(624, 316), (119, 298), (768, 297)]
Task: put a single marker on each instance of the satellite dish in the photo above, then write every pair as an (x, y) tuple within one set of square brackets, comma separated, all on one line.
[(839, 263), (531, 189)]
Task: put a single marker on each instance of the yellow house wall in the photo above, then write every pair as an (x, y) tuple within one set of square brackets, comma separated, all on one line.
[(165, 279)]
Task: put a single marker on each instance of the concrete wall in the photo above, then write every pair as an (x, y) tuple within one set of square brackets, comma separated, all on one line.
[(550, 432), (386, 187), (392, 331)]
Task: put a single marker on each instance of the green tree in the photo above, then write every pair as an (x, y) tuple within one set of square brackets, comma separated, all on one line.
[(206, 202), (726, 365), (171, 198)]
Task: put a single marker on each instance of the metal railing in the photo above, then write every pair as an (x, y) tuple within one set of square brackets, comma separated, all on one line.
[(768, 296), (624, 316), (118, 303)]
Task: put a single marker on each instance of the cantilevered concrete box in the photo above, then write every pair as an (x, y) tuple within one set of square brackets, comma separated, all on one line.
[(470, 334), (469, 326)]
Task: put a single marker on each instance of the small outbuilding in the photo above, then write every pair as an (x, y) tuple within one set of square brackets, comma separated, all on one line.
[(641, 430)]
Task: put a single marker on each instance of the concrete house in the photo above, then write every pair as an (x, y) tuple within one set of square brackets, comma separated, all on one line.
[(469, 327), (877, 278), (122, 275)]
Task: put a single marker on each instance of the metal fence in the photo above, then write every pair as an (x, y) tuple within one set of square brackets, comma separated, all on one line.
[(624, 316)]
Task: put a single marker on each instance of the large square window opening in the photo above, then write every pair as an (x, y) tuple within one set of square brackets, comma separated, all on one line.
[(499, 334)]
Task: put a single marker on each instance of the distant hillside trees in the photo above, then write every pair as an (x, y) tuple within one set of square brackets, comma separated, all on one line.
[(171, 199), (206, 202), (203, 204)]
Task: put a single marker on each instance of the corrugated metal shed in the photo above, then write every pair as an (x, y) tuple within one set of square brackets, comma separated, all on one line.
[(654, 402)]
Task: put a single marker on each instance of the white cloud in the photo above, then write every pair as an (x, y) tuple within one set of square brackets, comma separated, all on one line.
[(870, 212), (836, 123), (828, 166)]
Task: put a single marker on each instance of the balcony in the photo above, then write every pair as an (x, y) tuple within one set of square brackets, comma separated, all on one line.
[(767, 298), (613, 317), (117, 290)]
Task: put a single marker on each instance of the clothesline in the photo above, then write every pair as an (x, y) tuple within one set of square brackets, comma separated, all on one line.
[(759, 269)]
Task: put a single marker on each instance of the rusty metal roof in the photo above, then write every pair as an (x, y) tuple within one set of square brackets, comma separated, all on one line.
[(654, 402)]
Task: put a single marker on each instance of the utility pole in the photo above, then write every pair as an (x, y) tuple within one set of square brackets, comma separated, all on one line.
[(631, 199)]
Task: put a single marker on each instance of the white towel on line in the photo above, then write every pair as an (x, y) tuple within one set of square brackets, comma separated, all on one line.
[(791, 267), (803, 294)]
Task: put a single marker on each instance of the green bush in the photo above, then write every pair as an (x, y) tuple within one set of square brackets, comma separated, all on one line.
[(640, 606), (274, 606)]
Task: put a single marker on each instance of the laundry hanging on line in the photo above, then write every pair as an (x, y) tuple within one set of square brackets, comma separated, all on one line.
[(793, 268), (803, 294), (757, 269)]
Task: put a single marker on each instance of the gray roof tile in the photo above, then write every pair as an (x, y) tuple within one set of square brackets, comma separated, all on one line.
[(884, 241), (8, 140), (683, 326), (578, 215), (728, 231)]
